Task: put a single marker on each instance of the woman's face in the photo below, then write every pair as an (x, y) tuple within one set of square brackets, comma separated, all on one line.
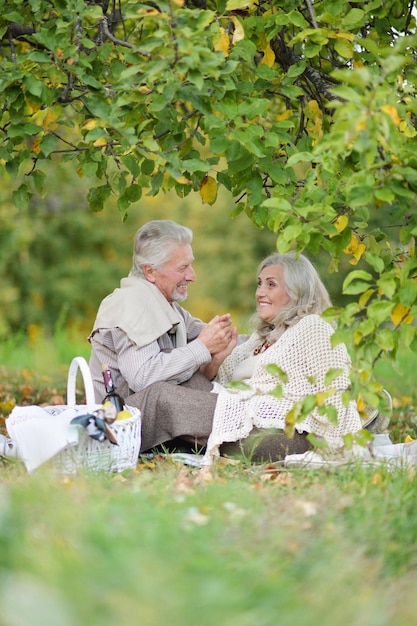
[(271, 294)]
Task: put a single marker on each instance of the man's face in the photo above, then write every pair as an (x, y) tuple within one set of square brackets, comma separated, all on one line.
[(172, 279)]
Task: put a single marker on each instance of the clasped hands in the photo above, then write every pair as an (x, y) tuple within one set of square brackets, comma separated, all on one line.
[(219, 336)]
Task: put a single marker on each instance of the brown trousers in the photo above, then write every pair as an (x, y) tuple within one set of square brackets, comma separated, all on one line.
[(174, 413)]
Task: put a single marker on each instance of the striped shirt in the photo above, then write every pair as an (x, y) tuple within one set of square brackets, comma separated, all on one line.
[(140, 367)]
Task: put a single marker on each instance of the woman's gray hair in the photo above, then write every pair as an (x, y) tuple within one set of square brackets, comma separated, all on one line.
[(154, 242), (303, 286)]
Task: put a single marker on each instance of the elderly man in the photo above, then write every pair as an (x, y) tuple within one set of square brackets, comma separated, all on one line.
[(145, 337)]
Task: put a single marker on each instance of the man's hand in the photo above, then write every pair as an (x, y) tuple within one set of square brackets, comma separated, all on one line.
[(217, 334), (210, 369)]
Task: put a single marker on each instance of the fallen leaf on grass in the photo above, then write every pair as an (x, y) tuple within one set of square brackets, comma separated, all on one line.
[(307, 507), (195, 516), (376, 479), (283, 478), (204, 475), (183, 484)]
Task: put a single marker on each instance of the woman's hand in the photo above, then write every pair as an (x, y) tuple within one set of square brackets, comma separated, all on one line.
[(210, 369), (217, 334)]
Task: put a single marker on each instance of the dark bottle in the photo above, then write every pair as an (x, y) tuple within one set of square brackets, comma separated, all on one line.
[(112, 394)]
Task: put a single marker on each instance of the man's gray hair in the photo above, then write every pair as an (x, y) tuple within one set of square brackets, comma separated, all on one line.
[(154, 242)]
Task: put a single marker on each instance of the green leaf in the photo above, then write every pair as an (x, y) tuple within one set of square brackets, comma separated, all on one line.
[(359, 276), (307, 157), (380, 311), (148, 167), (353, 19), (23, 129), (331, 375), (48, 144), (275, 370), (330, 412), (387, 285), (131, 164), (276, 392), (156, 182), (21, 196), (362, 438), (317, 442), (344, 48), (38, 178), (385, 339), (133, 192), (385, 194), (97, 197), (239, 385), (33, 86)]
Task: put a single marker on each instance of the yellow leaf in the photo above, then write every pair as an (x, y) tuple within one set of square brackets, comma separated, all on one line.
[(314, 119), (91, 123), (101, 141), (239, 32), (356, 249), (407, 130), (359, 253), (341, 222), (50, 119), (392, 112), (183, 180), (312, 109), (208, 190), (399, 313), (320, 397), (361, 404), (408, 439), (347, 36), (80, 172), (237, 5), (148, 12), (285, 115), (33, 108), (144, 89), (364, 297), (376, 479), (221, 42), (357, 336), (36, 145), (269, 56)]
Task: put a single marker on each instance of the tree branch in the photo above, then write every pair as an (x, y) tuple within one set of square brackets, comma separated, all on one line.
[(105, 29)]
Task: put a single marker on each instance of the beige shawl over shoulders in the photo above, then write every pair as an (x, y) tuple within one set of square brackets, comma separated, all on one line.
[(139, 309)]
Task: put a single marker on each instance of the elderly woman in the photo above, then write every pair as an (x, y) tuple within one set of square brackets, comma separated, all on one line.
[(289, 333)]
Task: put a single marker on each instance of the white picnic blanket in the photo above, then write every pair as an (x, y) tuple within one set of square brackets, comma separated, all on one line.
[(392, 455)]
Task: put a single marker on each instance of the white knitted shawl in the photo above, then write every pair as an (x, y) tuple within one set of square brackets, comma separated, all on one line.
[(305, 354)]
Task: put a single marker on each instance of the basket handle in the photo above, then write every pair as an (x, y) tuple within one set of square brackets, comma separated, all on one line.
[(79, 362)]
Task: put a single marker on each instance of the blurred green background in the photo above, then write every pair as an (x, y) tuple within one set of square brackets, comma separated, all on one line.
[(58, 259)]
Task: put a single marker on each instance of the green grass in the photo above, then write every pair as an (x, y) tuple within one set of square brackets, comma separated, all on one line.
[(161, 546), (166, 545)]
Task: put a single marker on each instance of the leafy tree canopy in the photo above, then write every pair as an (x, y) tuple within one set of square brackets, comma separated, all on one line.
[(304, 110)]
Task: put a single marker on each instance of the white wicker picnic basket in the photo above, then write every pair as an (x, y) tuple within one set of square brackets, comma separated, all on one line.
[(90, 453)]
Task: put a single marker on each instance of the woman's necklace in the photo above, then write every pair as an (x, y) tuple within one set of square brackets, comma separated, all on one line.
[(264, 346)]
